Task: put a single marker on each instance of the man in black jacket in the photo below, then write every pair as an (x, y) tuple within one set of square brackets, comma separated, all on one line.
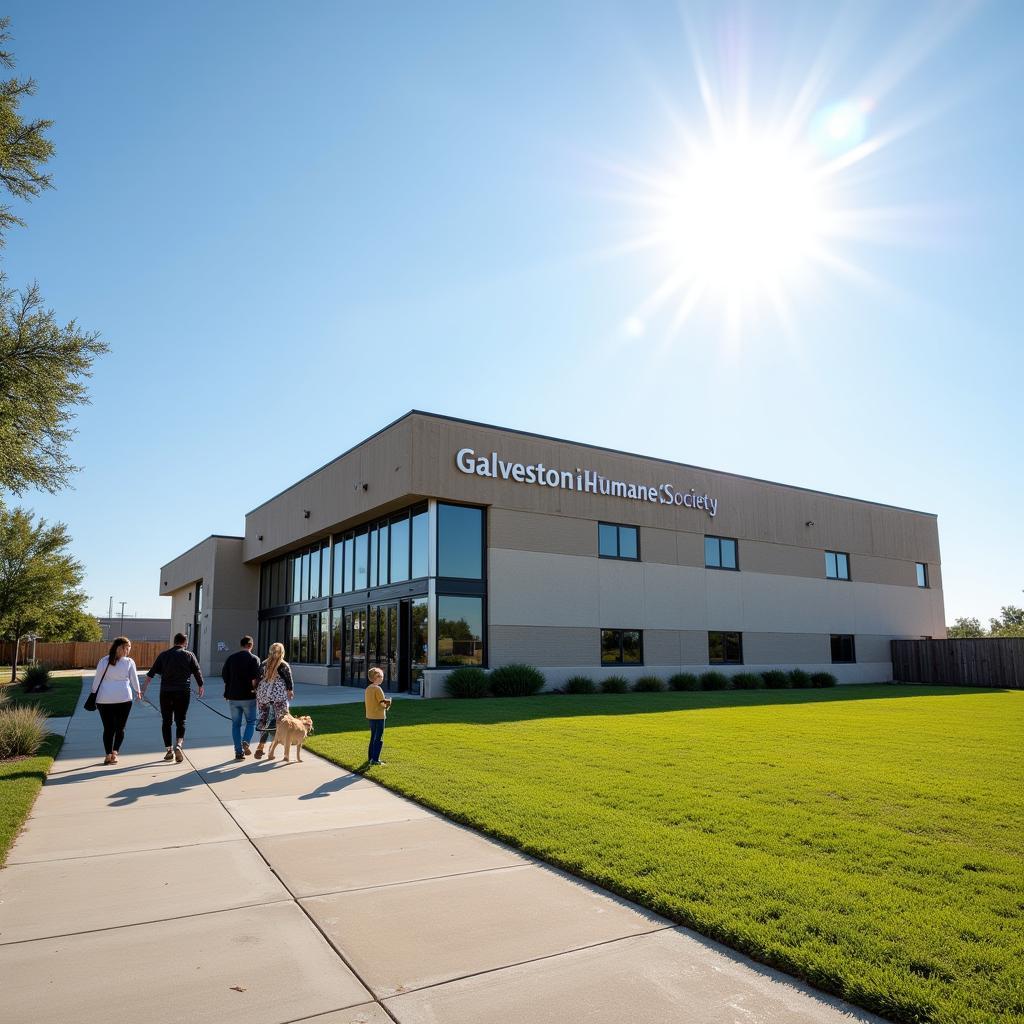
[(175, 667), (241, 673)]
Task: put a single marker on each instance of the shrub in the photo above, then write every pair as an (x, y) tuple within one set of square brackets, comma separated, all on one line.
[(22, 731), (823, 679), (776, 679), (684, 681), (748, 681), (465, 682), (714, 681), (36, 679), (516, 681), (615, 684), (799, 679), (579, 684), (648, 684)]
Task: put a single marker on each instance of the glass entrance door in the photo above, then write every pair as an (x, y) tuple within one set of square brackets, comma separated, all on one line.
[(385, 643)]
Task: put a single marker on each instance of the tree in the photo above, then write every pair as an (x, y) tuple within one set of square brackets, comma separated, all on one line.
[(42, 364), (77, 625), (965, 629), (39, 580), (1009, 623)]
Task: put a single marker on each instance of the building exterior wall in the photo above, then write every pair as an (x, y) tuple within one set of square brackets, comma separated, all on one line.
[(549, 594)]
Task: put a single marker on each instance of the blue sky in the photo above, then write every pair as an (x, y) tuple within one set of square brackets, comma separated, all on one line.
[(295, 222)]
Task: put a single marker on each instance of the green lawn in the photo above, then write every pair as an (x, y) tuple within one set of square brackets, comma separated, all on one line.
[(59, 702), (20, 781), (867, 838)]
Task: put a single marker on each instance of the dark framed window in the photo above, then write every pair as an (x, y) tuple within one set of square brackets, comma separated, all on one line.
[(922, 574), (622, 646), (615, 541), (400, 548), (843, 649), (837, 565), (460, 541), (725, 648), (420, 543), (460, 630), (720, 553)]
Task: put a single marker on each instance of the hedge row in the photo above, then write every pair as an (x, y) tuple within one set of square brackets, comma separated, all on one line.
[(525, 681)]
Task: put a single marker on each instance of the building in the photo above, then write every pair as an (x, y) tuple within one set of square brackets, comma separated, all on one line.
[(137, 630), (440, 542)]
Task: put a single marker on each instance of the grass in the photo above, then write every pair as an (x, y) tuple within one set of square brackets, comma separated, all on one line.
[(20, 781), (869, 839), (58, 702)]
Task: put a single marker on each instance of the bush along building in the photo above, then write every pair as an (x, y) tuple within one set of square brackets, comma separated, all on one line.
[(439, 542)]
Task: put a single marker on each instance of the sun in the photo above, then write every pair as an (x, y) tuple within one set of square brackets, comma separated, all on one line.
[(744, 218)]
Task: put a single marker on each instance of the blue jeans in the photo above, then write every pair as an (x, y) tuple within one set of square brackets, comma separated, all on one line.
[(239, 708), (376, 738)]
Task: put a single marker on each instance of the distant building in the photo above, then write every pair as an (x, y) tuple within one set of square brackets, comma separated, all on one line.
[(158, 630)]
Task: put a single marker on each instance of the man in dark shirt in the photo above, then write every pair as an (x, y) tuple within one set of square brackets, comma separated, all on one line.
[(175, 667), (241, 673)]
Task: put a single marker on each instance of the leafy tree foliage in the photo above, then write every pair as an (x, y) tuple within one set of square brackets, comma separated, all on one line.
[(39, 580), (1009, 623), (43, 364), (964, 629)]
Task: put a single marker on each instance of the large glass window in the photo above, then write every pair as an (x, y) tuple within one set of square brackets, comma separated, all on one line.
[(460, 630), (339, 565), (337, 636), (843, 650), (400, 548), (725, 648), (293, 646), (720, 553), (307, 575), (362, 578), (420, 543), (374, 557), (349, 547), (460, 541), (295, 577), (614, 541), (325, 569), (418, 644), (622, 647), (922, 574), (837, 565)]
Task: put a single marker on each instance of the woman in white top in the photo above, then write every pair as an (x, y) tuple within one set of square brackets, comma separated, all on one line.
[(116, 685)]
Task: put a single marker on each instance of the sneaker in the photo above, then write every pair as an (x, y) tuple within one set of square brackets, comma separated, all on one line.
[(179, 755), (259, 753), (246, 749), (239, 756), (107, 760), (379, 764), (169, 756)]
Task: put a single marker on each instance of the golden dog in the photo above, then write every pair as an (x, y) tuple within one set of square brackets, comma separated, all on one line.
[(291, 730)]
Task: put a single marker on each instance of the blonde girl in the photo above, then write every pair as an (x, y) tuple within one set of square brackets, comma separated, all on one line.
[(274, 691)]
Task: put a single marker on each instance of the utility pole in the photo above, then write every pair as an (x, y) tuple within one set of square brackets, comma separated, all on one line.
[(121, 631)]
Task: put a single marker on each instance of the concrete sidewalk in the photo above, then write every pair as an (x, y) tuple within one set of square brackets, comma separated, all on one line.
[(228, 891)]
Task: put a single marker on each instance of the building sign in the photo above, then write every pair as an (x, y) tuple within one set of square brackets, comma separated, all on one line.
[(472, 463)]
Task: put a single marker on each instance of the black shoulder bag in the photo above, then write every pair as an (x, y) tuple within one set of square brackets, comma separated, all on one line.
[(90, 701)]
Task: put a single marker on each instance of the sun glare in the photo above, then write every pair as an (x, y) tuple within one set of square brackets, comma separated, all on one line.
[(744, 218)]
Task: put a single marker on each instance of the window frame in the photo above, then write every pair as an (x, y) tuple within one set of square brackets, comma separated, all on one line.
[(621, 659), (619, 527), (921, 569), (725, 634), (833, 637), (735, 551), (836, 555)]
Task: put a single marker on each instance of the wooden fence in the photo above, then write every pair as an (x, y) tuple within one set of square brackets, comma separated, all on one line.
[(78, 655), (986, 661)]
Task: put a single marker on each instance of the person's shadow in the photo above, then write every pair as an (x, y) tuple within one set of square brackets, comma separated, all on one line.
[(332, 786)]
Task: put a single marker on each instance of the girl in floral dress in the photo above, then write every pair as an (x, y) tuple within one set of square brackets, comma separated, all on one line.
[(274, 692)]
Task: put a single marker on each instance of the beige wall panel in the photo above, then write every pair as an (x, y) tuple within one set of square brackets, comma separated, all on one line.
[(181, 613), (674, 597), (333, 495), (895, 572), (195, 564), (690, 549), (658, 546), (662, 647), (785, 648), (774, 604), (534, 589), (870, 648), (233, 583), (227, 626), (781, 559), (693, 647), (527, 531), (747, 509), (621, 593), (544, 645), (724, 595), (893, 611)]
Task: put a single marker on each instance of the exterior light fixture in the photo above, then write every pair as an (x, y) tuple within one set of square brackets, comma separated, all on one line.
[(305, 513), (810, 522)]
